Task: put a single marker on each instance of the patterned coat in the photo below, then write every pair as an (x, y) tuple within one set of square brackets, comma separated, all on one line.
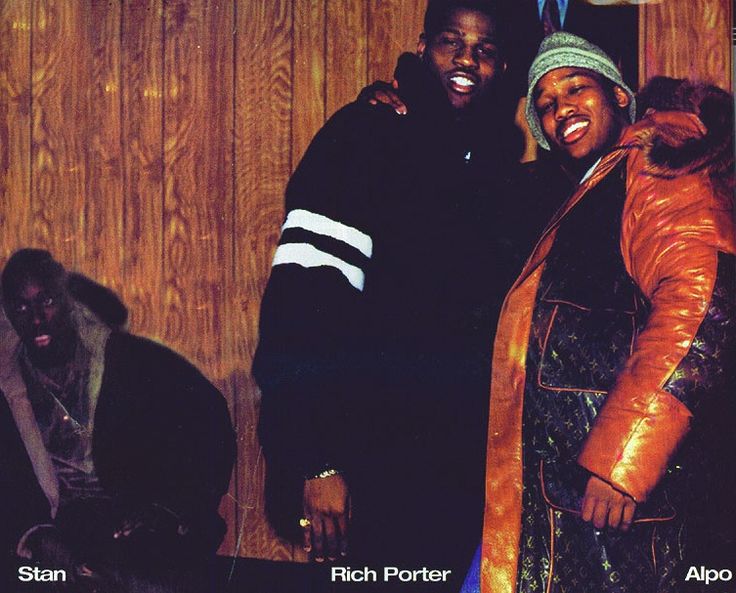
[(619, 325)]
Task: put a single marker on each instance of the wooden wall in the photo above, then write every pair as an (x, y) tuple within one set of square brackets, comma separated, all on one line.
[(687, 39), (147, 143)]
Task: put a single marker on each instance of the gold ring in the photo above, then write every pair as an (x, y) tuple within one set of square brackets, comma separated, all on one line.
[(304, 522)]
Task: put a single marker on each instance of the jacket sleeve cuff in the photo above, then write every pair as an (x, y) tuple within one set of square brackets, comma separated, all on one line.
[(633, 439), (22, 549)]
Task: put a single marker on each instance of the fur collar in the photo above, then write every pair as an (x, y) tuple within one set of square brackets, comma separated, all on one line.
[(672, 147)]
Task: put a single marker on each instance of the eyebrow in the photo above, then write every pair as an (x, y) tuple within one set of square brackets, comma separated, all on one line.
[(578, 72), (485, 39)]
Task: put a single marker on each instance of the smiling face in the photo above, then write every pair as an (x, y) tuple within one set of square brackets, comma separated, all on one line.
[(463, 55), (39, 311), (578, 114)]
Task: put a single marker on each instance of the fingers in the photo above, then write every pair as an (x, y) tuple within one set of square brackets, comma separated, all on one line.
[(342, 525), (318, 539), (588, 508), (390, 98), (604, 506), (600, 514), (331, 536), (307, 535), (615, 513), (628, 513), (326, 537), (127, 528), (326, 504)]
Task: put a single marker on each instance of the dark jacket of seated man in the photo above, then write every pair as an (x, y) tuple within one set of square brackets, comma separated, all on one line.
[(105, 438)]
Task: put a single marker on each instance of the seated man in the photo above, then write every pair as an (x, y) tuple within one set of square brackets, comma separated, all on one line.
[(612, 341), (114, 450)]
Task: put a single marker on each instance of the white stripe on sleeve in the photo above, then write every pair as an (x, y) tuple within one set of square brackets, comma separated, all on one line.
[(322, 225), (308, 256)]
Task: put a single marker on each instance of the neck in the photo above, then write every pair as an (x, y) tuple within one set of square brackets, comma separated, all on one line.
[(576, 168)]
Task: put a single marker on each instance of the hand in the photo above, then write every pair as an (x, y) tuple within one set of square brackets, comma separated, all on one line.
[(50, 549), (604, 505), (153, 518), (47, 546), (385, 93), (327, 506)]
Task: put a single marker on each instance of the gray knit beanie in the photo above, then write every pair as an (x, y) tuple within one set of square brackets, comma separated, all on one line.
[(565, 50)]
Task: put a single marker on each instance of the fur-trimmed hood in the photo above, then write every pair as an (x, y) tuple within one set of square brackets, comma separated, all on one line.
[(674, 145)]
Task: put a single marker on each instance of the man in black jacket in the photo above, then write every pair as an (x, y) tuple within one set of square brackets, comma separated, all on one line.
[(377, 321), (115, 450)]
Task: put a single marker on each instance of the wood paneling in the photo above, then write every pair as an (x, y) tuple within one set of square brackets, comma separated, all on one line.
[(142, 156), (347, 52), (308, 74), (198, 225), (15, 125), (60, 63), (262, 152), (393, 28), (198, 188), (148, 143), (687, 40), (100, 253)]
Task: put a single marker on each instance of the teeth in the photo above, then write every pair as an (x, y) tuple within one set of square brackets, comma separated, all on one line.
[(574, 128), (43, 340), (462, 81)]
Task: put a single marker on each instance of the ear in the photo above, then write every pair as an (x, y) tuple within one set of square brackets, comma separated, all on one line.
[(622, 99), (421, 45)]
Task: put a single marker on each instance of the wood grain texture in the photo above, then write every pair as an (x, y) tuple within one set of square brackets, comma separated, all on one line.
[(101, 254), (15, 125), (263, 93), (198, 194), (197, 218), (61, 127), (347, 52), (142, 156), (149, 142), (687, 39), (308, 75), (393, 28)]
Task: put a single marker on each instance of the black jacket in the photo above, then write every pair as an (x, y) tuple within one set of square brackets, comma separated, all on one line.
[(162, 434), (377, 321)]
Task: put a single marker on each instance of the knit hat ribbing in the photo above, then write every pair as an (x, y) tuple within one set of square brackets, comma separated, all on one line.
[(565, 50)]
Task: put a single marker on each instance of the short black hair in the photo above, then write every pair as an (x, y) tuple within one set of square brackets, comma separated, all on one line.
[(29, 264), (438, 11)]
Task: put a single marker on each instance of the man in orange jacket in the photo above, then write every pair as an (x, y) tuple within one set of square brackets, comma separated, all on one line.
[(617, 329)]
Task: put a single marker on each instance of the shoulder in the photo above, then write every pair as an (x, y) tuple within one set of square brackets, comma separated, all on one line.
[(680, 213), (687, 129), (360, 120), (128, 353), (9, 342), (345, 162), (670, 144)]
